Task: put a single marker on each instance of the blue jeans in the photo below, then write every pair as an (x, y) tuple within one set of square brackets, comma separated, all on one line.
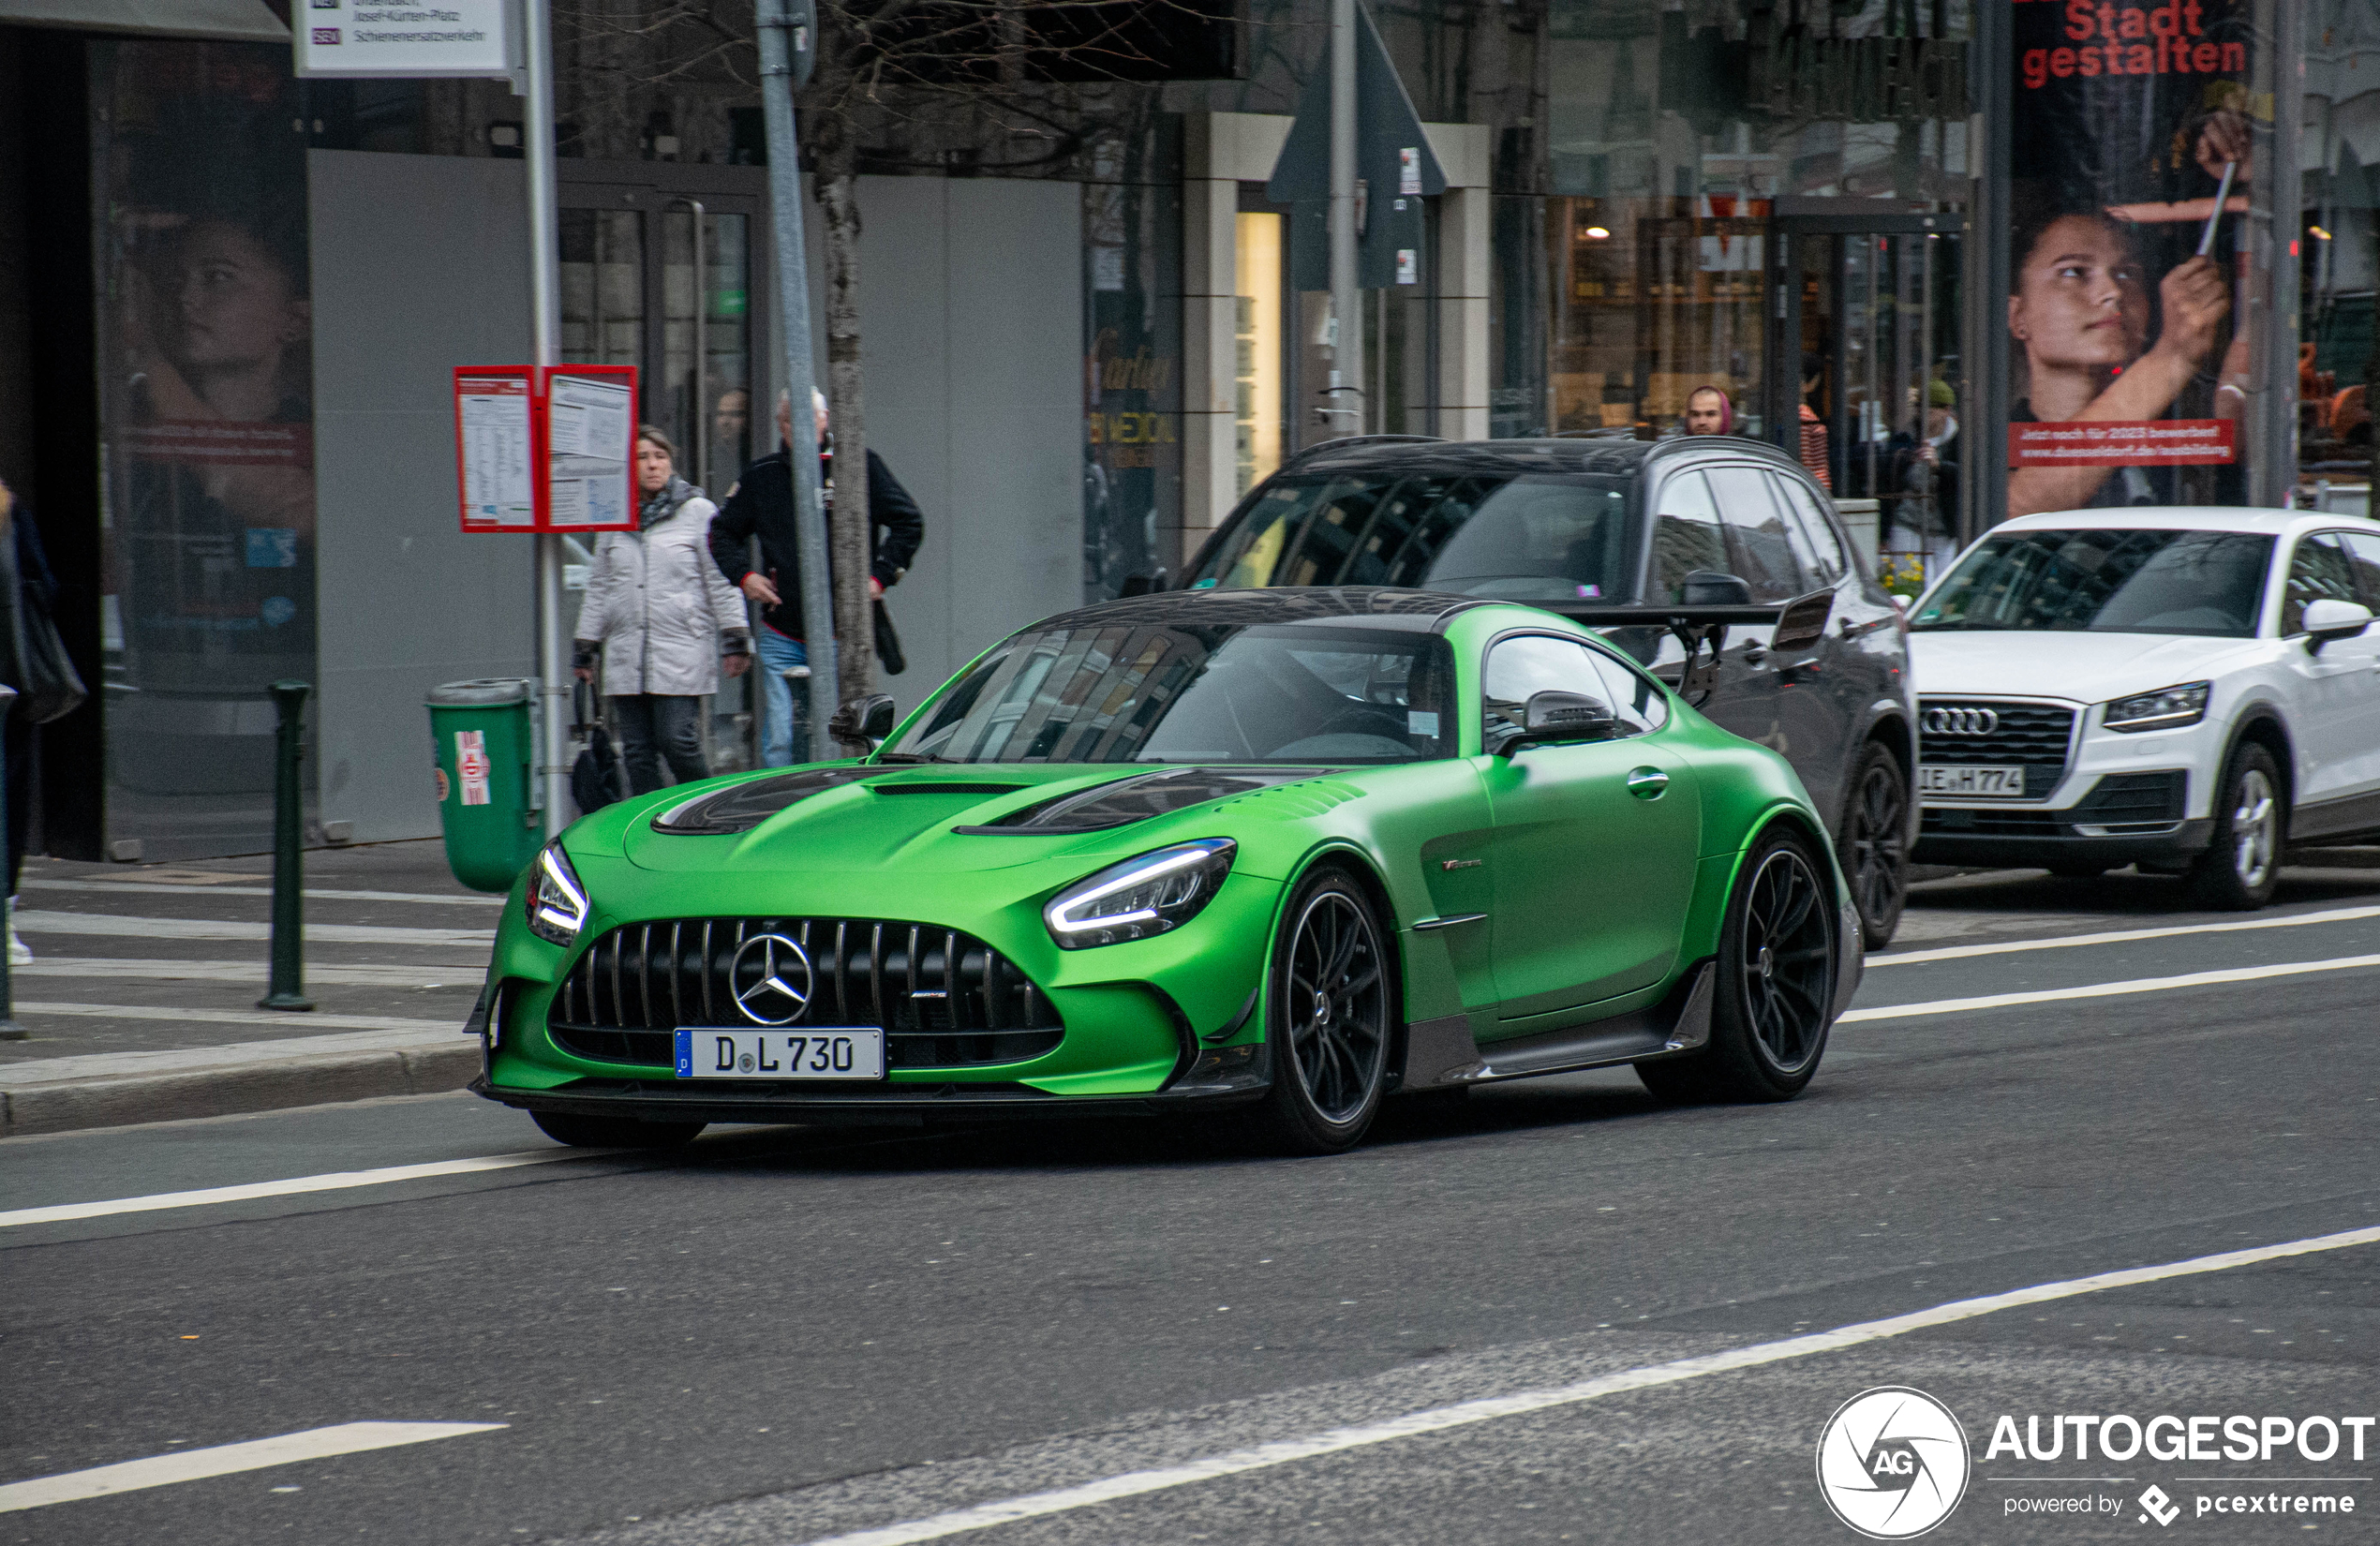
[(784, 714), (655, 729)]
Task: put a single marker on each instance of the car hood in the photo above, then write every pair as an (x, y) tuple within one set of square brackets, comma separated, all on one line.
[(2081, 667), (940, 820)]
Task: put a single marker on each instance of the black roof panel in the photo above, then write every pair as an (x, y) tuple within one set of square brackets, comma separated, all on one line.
[(1373, 607), (1612, 457)]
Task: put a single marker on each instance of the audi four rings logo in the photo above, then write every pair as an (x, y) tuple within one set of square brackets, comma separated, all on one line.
[(770, 976), (1960, 721)]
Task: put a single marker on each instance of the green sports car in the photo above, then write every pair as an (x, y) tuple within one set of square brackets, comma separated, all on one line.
[(1286, 852)]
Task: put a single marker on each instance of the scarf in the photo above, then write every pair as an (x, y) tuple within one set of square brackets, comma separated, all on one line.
[(662, 502)]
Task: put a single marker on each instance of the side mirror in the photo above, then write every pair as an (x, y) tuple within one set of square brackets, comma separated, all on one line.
[(1803, 623), (1554, 715), (1709, 588), (1142, 584), (862, 722), (2328, 620)]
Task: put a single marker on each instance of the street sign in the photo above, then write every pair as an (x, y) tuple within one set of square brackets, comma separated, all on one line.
[(388, 40), (1394, 168), (545, 451)]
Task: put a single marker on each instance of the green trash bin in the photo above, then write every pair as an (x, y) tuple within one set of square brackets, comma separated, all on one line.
[(483, 743)]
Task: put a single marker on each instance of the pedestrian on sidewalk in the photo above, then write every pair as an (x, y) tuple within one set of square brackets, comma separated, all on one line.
[(36, 589), (761, 504), (663, 620)]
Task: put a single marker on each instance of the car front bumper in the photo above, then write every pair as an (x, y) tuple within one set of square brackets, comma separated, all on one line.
[(2054, 843)]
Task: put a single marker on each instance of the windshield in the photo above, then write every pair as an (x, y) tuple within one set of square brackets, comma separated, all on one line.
[(1525, 537), (2106, 581), (1205, 694)]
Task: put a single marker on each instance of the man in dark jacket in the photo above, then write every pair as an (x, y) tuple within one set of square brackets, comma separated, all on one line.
[(762, 504)]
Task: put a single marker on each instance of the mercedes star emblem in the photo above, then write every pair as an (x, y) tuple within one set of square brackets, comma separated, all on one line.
[(770, 977)]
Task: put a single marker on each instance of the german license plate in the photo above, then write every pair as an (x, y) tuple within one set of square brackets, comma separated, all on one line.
[(1972, 784), (823, 1052)]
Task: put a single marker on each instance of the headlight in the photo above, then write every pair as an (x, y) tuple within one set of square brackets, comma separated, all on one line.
[(2167, 708), (556, 902), (1141, 897)]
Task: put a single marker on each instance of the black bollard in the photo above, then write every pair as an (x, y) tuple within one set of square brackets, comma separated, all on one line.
[(287, 988), (9, 1029)]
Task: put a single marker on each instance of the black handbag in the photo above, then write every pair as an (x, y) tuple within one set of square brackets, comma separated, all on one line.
[(888, 653), (48, 686), (597, 777)]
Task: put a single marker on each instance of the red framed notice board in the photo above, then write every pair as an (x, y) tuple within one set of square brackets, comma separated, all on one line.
[(551, 449)]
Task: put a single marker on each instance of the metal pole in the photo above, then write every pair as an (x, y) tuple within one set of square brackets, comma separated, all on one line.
[(1346, 359), (544, 289), (783, 34), (9, 1029), (699, 441), (286, 988)]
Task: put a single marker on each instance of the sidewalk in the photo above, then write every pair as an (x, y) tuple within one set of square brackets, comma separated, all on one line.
[(141, 998)]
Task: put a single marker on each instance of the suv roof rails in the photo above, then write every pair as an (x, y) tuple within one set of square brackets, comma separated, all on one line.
[(1345, 441)]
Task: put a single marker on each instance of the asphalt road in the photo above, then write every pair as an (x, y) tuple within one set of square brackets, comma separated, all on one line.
[(780, 1335)]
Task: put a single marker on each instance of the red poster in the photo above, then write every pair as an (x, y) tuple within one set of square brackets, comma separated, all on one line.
[(2138, 442)]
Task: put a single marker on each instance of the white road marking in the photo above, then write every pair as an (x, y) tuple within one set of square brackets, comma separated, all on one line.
[(1463, 1414), (276, 1019), (280, 1052), (32, 921), (466, 974), (223, 1459), (2105, 989), (2119, 936), (338, 1180), (317, 893)]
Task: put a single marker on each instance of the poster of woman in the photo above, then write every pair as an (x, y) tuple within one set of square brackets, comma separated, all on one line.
[(2132, 166)]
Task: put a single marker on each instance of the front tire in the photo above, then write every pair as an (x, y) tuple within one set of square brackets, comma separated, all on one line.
[(582, 1132), (1774, 1003), (2240, 869), (1332, 1017), (1874, 847)]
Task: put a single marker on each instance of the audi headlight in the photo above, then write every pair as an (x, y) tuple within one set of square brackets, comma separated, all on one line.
[(556, 902), (2167, 708), (1139, 897)]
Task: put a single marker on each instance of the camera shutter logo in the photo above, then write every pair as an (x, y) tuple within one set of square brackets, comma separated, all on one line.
[(771, 979), (1892, 1463), (1961, 722)]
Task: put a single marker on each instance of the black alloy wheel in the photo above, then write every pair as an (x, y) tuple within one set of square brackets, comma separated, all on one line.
[(1874, 849), (1774, 1003), (1331, 1020), (582, 1132)]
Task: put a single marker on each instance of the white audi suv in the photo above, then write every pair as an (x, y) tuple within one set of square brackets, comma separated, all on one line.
[(2190, 690)]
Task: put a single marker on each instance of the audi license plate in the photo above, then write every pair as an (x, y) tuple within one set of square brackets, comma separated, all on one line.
[(825, 1052), (1972, 784)]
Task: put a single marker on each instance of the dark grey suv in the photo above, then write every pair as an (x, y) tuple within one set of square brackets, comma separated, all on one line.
[(1715, 561)]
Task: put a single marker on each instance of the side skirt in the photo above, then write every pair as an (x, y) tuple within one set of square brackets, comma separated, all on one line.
[(1442, 1054)]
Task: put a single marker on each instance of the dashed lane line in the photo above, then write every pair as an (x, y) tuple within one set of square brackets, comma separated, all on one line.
[(1464, 1414), (335, 974), (33, 921), (2117, 936), (2105, 989), (278, 1019), (338, 1180), (315, 893), (225, 1459)]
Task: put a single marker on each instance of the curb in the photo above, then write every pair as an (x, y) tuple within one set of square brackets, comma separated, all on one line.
[(265, 1083)]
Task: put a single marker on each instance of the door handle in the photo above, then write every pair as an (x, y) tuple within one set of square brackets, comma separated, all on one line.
[(1647, 784)]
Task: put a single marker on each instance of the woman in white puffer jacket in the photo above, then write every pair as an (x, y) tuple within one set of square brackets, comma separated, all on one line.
[(664, 620)]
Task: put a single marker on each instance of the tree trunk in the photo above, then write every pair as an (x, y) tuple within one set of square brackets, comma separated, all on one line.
[(850, 532)]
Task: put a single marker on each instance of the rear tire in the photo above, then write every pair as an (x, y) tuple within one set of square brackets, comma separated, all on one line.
[(1874, 847), (580, 1132), (2240, 869), (1774, 1005), (1332, 1015)]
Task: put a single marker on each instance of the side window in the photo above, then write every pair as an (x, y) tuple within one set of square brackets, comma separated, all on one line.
[(2317, 572), (1633, 696), (2364, 557), (1686, 535), (1814, 532), (1533, 662), (1756, 546)]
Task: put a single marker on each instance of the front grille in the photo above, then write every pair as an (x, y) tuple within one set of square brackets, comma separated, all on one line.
[(944, 999), (2035, 736), (1961, 821), (2123, 799)]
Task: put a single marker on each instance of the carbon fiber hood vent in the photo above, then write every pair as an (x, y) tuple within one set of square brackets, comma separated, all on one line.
[(1137, 800)]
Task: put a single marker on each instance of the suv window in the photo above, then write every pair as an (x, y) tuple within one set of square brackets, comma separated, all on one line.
[(1756, 546), (2364, 557), (2317, 572), (1803, 517), (1686, 535)]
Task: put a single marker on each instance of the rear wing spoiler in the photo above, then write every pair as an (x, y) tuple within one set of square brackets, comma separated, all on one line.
[(1797, 624)]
